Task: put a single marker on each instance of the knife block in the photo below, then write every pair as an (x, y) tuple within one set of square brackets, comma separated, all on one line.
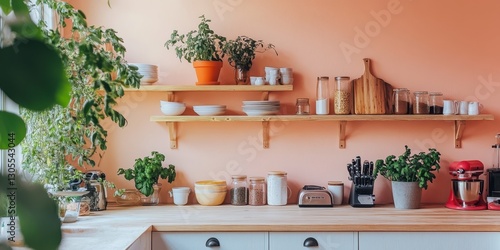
[(361, 196)]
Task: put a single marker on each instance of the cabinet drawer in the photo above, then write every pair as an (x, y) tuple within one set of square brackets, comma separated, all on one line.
[(325, 240), (198, 240), (429, 240)]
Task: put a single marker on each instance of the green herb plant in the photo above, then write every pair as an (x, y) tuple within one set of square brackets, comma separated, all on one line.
[(202, 44), (147, 171), (242, 51), (410, 168)]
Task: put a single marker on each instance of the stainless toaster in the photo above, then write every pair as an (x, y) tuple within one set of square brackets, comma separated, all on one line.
[(315, 196)]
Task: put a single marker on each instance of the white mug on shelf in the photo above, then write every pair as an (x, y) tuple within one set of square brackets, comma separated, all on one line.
[(474, 108), (463, 108), (450, 107), (180, 195)]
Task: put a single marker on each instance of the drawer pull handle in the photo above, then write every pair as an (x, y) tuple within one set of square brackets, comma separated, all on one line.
[(213, 242), (311, 242)]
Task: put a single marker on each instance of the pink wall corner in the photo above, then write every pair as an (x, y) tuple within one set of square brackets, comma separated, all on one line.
[(448, 46)]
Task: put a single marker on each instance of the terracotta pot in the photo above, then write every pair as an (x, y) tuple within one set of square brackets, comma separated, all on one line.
[(207, 72)]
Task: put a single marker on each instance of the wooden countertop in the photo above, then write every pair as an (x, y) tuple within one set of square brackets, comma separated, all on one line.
[(119, 227)]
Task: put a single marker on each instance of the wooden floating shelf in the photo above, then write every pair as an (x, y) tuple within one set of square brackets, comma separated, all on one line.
[(459, 122), (171, 89)]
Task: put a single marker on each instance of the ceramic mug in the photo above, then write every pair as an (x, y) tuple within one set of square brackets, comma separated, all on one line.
[(450, 107), (474, 108), (274, 79), (180, 195), (463, 108), (260, 80)]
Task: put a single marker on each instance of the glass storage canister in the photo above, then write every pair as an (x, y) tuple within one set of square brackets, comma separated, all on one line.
[(277, 188), (257, 191), (302, 106), (322, 96), (401, 101), (420, 102), (342, 96), (436, 103), (239, 192)]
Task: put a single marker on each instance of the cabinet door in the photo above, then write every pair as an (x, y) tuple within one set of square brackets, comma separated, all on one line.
[(429, 240), (324, 240), (143, 242), (198, 240)]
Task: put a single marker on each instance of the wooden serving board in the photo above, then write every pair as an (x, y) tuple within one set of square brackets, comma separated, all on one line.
[(371, 95)]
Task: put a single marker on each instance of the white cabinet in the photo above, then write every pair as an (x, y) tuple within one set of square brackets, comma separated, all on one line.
[(315, 240), (199, 240), (429, 240)]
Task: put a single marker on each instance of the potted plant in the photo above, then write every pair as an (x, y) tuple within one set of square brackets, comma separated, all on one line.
[(202, 47), (409, 174), (240, 54), (146, 173)]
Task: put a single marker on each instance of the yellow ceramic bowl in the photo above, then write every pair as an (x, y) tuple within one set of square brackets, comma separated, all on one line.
[(210, 198), (211, 185)]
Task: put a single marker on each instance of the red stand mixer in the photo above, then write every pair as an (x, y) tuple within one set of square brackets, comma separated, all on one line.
[(466, 188)]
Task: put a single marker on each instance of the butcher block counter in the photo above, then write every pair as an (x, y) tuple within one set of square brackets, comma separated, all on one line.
[(120, 227)]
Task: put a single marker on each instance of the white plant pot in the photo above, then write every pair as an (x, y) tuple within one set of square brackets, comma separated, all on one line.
[(406, 195)]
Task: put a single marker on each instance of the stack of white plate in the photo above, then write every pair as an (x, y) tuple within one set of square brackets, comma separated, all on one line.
[(205, 110), (172, 108), (253, 108), (149, 72)]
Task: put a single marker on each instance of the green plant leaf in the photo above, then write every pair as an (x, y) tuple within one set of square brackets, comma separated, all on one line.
[(38, 216), (12, 130), (5, 5), (46, 83)]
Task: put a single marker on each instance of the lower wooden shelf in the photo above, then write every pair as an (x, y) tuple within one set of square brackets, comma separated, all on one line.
[(459, 122)]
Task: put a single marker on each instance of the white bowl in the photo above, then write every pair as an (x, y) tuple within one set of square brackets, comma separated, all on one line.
[(261, 112), (172, 104), (209, 112), (172, 110)]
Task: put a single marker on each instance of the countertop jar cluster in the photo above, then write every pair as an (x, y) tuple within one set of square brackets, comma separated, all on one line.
[(258, 192)]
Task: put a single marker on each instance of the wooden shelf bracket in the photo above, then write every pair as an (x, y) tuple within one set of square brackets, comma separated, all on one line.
[(342, 127), (170, 96), (265, 134), (458, 132), (172, 131)]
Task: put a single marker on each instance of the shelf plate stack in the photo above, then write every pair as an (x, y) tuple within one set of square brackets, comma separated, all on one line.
[(256, 108)]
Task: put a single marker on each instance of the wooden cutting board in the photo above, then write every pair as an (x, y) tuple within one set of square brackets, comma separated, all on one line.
[(371, 94)]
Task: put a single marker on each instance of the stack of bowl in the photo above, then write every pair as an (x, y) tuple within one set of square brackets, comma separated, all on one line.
[(210, 192), (149, 72), (253, 108), (172, 108), (205, 110)]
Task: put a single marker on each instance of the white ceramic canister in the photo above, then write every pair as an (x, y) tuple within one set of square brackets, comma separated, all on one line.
[(277, 189)]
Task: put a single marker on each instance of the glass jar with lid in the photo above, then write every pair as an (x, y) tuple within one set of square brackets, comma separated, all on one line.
[(257, 191), (322, 96), (401, 101), (239, 192), (436, 103), (342, 96), (277, 188), (420, 102), (302, 106)]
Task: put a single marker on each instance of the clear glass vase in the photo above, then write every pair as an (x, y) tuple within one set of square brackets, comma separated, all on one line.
[(154, 198), (241, 76)]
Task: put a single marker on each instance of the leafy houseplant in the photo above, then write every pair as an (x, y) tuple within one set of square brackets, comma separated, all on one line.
[(416, 169), (146, 173), (202, 47), (241, 53), (93, 60)]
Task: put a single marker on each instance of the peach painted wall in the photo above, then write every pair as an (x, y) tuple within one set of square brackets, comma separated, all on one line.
[(448, 46)]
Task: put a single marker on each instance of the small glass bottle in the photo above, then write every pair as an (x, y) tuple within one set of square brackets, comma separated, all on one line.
[(436, 103), (239, 191), (257, 191), (401, 101), (277, 188), (302, 106), (342, 96), (421, 102), (322, 96)]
